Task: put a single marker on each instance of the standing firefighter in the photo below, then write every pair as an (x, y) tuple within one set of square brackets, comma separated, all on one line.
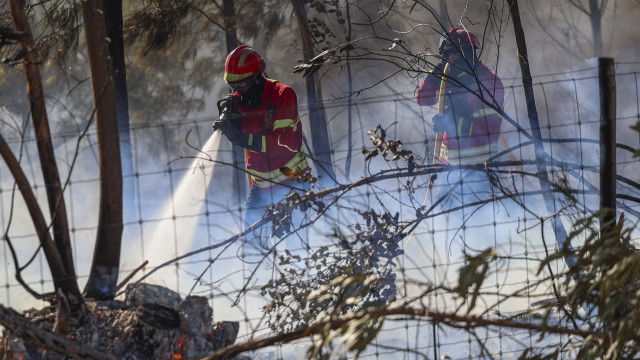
[(467, 128), (261, 115)]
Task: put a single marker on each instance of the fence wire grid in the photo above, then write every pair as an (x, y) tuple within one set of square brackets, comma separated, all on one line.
[(182, 202)]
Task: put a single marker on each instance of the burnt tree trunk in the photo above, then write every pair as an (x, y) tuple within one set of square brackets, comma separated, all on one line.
[(65, 277), (607, 89), (317, 116), (114, 22), (103, 277), (540, 153), (240, 181)]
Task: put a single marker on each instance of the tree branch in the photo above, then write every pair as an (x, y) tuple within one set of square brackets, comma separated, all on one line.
[(455, 320)]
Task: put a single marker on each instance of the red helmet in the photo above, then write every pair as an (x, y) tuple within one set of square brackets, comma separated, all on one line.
[(457, 38), (243, 62)]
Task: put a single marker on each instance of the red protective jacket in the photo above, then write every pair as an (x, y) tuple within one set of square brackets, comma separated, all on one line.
[(477, 124), (277, 119)]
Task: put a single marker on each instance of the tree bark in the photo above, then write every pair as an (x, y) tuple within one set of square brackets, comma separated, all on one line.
[(114, 22), (607, 90), (595, 16), (240, 181), (317, 116), (66, 281), (103, 277), (549, 199)]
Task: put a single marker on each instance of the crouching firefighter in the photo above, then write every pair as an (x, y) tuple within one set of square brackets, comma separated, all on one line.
[(467, 128), (261, 115)]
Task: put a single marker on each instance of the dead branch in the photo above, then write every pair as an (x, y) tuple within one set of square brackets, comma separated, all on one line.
[(130, 276), (54, 259), (61, 262), (454, 320)]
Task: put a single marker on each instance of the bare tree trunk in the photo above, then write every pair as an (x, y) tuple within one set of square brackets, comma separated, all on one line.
[(595, 15), (55, 197), (103, 278), (550, 202), (347, 167), (607, 90), (240, 181), (317, 116), (229, 13), (114, 22)]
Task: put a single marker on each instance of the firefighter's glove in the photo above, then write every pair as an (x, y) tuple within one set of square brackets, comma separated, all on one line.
[(435, 76), (442, 123), (229, 107), (252, 142)]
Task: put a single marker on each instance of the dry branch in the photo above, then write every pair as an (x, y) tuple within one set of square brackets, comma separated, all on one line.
[(454, 320), (42, 229), (45, 151)]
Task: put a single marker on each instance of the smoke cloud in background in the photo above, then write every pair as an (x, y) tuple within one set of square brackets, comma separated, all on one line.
[(390, 104)]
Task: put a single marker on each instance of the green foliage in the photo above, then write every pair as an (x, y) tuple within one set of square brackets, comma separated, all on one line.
[(473, 274), (357, 332), (56, 27), (156, 25), (606, 285)]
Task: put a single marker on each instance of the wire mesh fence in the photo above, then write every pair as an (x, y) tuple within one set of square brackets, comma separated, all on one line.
[(184, 199)]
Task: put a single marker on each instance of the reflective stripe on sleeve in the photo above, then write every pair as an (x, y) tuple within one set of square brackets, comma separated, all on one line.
[(282, 123), (270, 178), (484, 112), (262, 138)]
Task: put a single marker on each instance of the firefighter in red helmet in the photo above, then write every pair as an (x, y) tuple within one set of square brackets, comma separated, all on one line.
[(261, 115), (467, 93)]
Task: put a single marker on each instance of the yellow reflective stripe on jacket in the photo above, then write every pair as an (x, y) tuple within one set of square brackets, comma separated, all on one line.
[(263, 147), (291, 164), (484, 112), (460, 128), (268, 179), (472, 155), (282, 123)]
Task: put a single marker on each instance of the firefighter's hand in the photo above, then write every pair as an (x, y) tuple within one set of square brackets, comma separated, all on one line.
[(228, 105), (251, 142), (440, 123), (226, 129)]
